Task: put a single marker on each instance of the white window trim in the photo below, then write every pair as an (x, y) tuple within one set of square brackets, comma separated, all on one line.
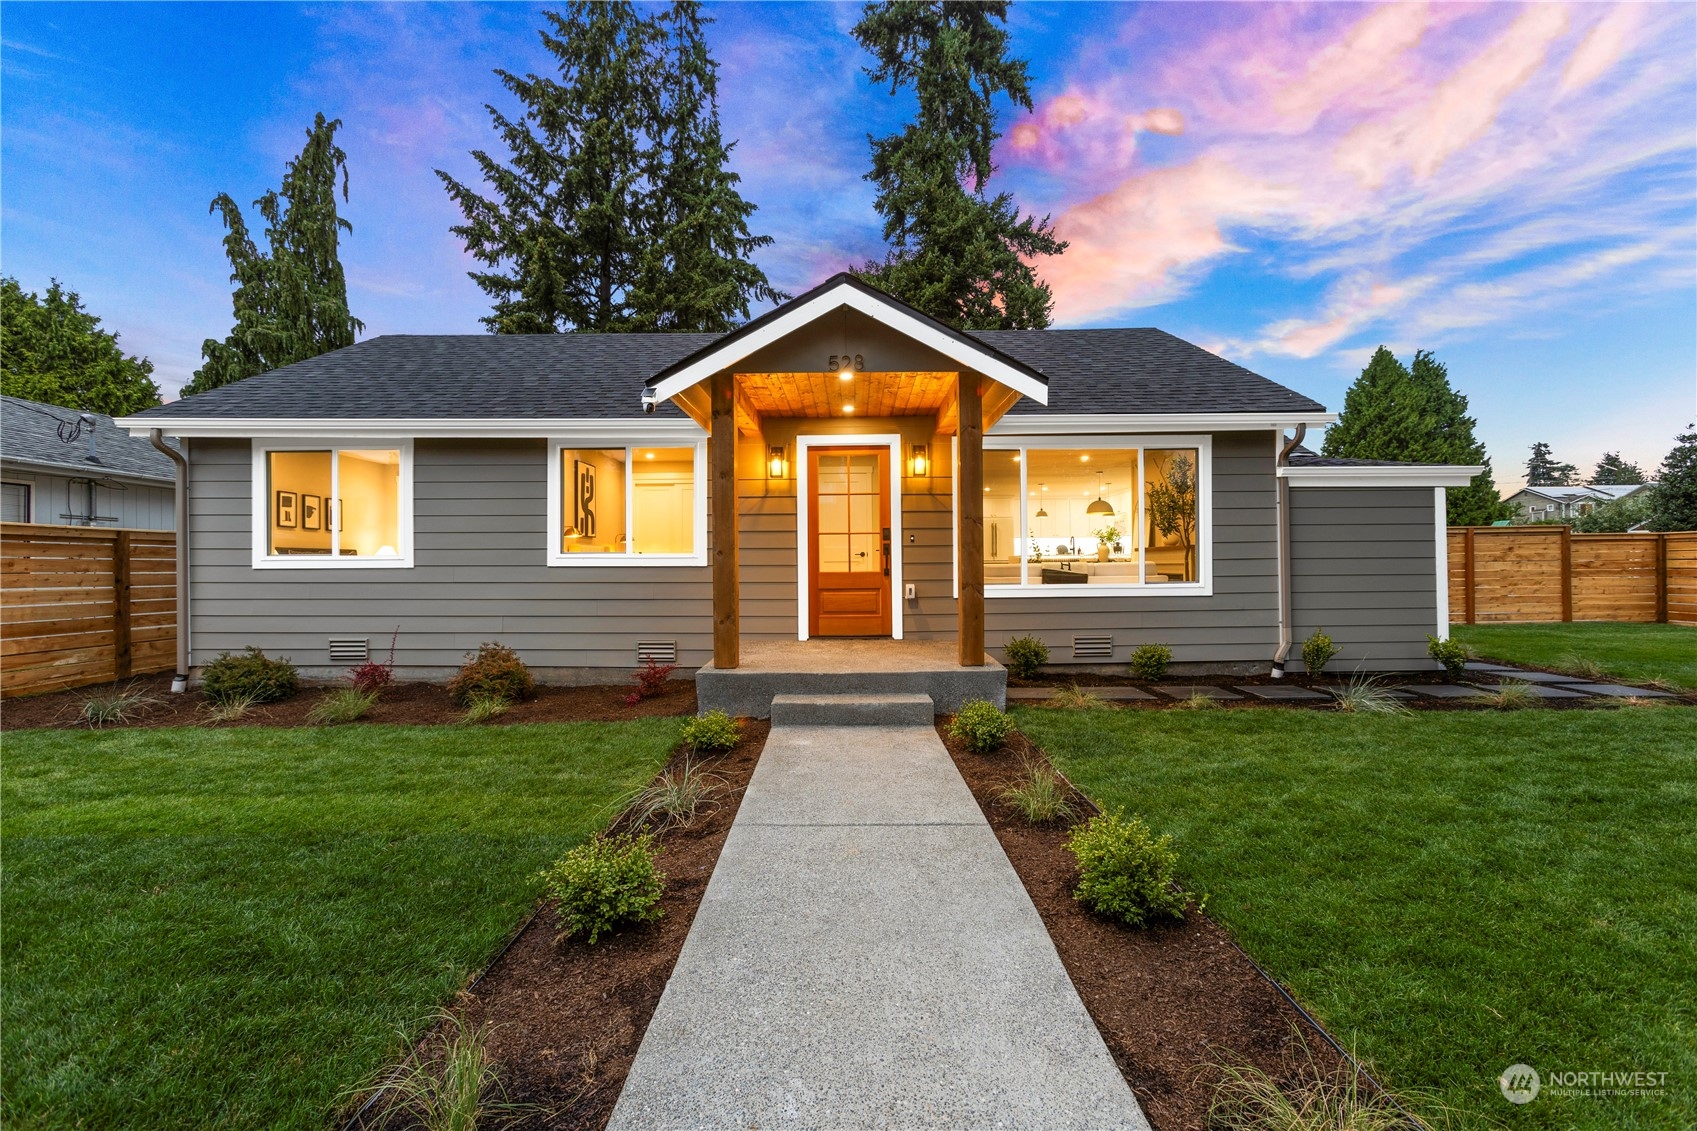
[(263, 559), (804, 541), (629, 441), (20, 481), (1204, 445)]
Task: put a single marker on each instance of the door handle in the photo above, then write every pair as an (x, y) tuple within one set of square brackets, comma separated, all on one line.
[(886, 551)]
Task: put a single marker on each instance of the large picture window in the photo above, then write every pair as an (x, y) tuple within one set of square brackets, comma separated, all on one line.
[(333, 505), (635, 503), (1128, 515)]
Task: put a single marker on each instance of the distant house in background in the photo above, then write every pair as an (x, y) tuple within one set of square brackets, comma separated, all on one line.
[(67, 468), (1559, 504)]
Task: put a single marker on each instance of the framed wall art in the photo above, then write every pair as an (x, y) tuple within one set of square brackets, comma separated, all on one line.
[(287, 515)]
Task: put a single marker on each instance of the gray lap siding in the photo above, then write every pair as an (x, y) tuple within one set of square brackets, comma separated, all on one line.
[(1365, 570), (480, 530)]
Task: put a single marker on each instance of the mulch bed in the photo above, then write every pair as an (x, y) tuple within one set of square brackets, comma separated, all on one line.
[(1171, 1001), (565, 1018), (403, 703)]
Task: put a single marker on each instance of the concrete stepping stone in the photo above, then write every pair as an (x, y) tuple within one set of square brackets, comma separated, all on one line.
[(1393, 692), (1281, 692), (1044, 694), (1619, 691), (1542, 691), (1532, 677), (1442, 690), (1187, 690), (1475, 666)]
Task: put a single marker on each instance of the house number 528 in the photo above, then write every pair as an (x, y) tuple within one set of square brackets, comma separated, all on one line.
[(845, 362)]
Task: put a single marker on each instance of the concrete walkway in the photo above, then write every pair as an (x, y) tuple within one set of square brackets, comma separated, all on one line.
[(865, 956)]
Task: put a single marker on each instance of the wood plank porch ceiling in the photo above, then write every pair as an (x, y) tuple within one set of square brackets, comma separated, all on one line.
[(826, 394)]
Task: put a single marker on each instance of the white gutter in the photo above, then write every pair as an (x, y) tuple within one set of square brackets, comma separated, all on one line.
[(402, 428), (1415, 475), (1048, 423)]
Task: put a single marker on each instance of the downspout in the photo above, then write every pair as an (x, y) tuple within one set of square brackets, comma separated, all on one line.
[(1283, 506), (179, 681)]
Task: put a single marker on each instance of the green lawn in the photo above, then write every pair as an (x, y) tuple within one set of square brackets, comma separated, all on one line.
[(1636, 653), (1451, 892), (226, 928)]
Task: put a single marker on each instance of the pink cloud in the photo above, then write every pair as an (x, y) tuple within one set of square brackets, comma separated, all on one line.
[(1602, 48)]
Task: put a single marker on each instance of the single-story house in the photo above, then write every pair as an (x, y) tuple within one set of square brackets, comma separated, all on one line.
[(63, 467), (841, 466), (1539, 504)]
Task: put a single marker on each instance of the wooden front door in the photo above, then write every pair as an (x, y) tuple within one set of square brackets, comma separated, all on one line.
[(848, 519)]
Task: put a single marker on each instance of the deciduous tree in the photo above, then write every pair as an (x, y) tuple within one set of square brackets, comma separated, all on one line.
[(291, 301), (956, 254), (52, 350), (1411, 413)]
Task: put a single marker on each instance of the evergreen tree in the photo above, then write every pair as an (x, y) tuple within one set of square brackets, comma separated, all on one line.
[(1614, 471), (1542, 470), (955, 254), (290, 303), (1676, 486), (54, 351), (697, 273), (614, 210), (1411, 413)]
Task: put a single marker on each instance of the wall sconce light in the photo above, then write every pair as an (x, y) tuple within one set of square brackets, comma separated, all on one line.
[(777, 463), (919, 463)]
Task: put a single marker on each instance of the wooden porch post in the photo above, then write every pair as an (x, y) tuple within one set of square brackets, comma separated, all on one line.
[(971, 519), (722, 468)]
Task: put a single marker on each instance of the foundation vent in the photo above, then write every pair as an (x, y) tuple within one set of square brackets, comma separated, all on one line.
[(350, 651), (1093, 647), (660, 651)]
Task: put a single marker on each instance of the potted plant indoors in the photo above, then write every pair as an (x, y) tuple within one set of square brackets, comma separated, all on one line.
[(1106, 538)]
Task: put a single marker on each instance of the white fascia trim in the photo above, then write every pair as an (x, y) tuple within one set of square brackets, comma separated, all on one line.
[(1069, 423), (406, 428), (724, 357), (261, 516), (804, 539), (1450, 475), (556, 507)]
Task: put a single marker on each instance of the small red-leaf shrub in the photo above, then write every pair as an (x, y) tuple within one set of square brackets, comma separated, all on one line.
[(633, 698), (494, 671), (651, 680), (373, 678)]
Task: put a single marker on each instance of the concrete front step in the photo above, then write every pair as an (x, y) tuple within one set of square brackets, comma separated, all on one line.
[(852, 710)]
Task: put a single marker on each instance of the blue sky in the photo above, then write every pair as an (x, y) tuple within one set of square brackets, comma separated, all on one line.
[(1513, 187)]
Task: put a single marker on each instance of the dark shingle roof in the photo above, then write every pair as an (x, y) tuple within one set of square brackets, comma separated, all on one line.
[(602, 375), (29, 433), (1138, 370), (1302, 457)]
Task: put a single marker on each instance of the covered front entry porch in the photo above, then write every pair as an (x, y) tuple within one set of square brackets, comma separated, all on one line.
[(846, 481)]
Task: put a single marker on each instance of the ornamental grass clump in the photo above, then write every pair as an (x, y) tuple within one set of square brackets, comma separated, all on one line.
[(712, 733), (1250, 1099), (114, 710), (493, 671), (981, 726), (481, 706), (343, 705), (1125, 872), (676, 798), (606, 883), (1025, 654), (1317, 652), (1450, 653), (1150, 661), (1368, 695), (1038, 794), (251, 676), (1511, 695), (1076, 698)]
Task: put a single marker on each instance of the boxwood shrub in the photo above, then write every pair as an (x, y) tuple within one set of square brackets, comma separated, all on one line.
[(981, 726), (494, 671), (1125, 872), (604, 884), (1025, 654), (250, 677)]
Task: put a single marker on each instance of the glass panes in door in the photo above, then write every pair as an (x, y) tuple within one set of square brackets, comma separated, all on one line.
[(850, 529)]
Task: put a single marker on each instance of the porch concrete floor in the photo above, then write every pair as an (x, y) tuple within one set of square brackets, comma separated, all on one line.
[(865, 956)]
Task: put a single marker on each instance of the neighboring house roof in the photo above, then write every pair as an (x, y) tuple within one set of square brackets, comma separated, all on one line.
[(1601, 493), (603, 376), (29, 433)]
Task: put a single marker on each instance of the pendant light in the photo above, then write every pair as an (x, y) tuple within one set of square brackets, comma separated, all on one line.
[(1100, 506), (1041, 513)]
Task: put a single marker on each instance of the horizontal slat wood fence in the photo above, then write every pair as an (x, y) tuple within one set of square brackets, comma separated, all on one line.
[(1549, 573), (81, 605)]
